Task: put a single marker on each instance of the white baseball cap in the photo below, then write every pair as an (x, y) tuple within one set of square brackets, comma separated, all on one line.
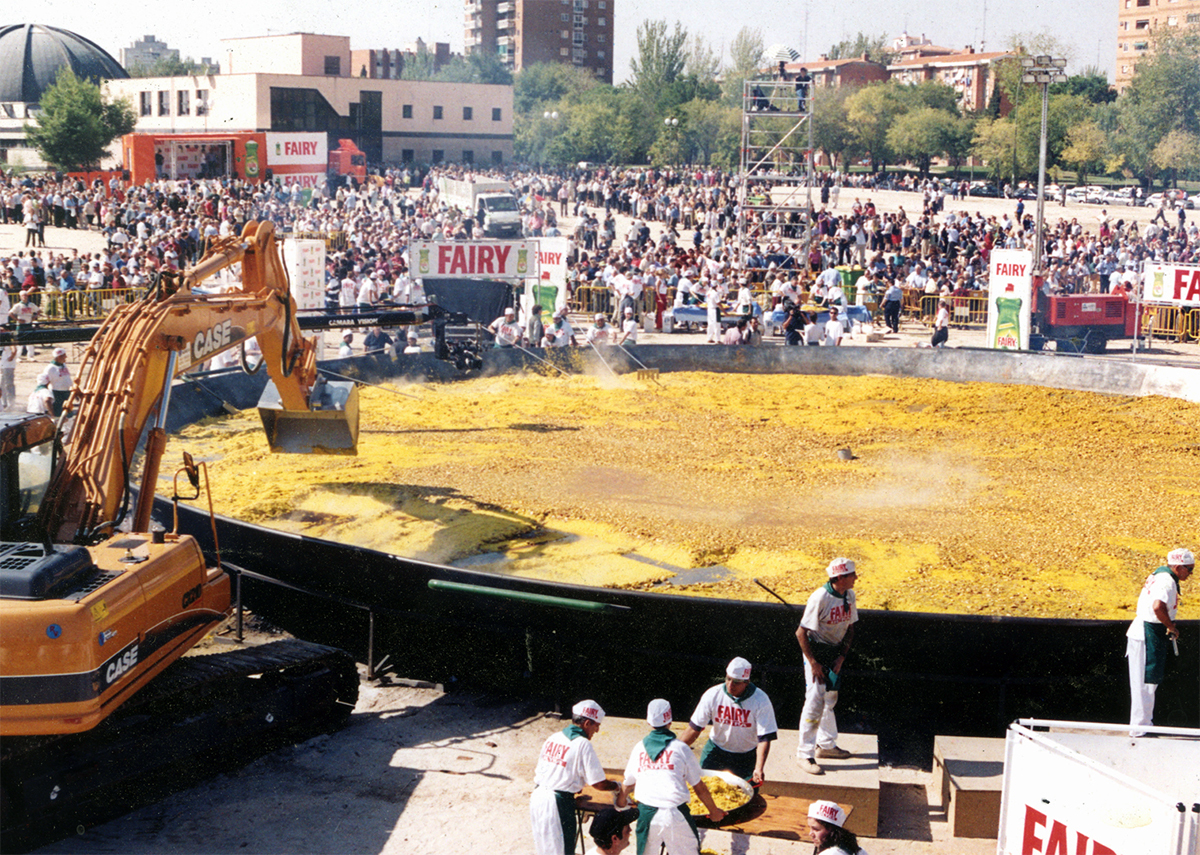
[(599, 316), (509, 311), (658, 713), (348, 334), (589, 709), (738, 669), (1181, 556), (840, 567), (827, 811), (628, 310), (58, 351)]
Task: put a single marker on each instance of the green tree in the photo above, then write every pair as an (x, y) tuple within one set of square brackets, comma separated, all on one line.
[(549, 83), (660, 59), (872, 110), (833, 135), (420, 65), (76, 123), (1086, 150), (712, 132), (703, 59), (1092, 84), (994, 143), (929, 93), (1163, 96), (168, 66), (670, 147), (487, 67), (959, 133), (1178, 150), (745, 58), (923, 134), (877, 48)]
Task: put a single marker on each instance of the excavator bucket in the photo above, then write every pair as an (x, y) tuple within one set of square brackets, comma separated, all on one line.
[(330, 427)]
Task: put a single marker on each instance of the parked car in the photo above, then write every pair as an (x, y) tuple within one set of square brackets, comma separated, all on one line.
[(1174, 199), (983, 188), (1119, 196)]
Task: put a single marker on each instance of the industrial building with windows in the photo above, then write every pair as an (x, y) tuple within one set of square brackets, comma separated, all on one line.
[(305, 82)]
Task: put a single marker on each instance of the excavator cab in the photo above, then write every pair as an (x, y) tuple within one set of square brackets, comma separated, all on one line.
[(26, 457)]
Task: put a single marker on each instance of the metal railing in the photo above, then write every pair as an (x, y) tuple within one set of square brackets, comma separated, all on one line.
[(81, 305), (1181, 323)]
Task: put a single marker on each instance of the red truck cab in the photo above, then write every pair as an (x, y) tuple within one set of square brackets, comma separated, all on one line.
[(347, 159)]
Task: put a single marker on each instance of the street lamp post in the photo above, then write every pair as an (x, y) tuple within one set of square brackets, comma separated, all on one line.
[(672, 125), (1041, 70), (551, 117)]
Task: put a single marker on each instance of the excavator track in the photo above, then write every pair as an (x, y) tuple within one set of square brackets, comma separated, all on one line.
[(202, 715)]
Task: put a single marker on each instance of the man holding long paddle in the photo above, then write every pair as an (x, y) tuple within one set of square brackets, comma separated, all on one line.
[(825, 634)]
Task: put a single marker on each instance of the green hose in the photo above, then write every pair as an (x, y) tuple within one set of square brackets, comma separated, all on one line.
[(522, 596)]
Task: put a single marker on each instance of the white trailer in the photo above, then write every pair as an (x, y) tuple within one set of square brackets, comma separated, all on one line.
[(1074, 788), (491, 203)]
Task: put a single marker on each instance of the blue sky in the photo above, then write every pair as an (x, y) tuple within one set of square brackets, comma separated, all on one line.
[(1087, 28)]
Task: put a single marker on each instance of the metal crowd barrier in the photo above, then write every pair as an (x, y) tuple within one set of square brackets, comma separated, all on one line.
[(333, 240), (592, 299), (81, 305), (1171, 322)]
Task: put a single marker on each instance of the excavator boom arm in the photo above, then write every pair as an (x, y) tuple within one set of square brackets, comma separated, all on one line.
[(128, 368)]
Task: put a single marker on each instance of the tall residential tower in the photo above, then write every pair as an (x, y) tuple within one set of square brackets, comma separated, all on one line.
[(1136, 20), (525, 32)]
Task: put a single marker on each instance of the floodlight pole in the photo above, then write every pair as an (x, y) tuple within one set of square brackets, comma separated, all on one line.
[(1041, 70)]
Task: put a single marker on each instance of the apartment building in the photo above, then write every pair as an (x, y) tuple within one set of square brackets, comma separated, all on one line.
[(1136, 20), (526, 32)]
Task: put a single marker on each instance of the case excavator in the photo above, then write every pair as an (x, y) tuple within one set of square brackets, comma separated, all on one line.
[(96, 603)]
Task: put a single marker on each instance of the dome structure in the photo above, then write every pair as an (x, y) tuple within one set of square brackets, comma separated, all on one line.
[(32, 54)]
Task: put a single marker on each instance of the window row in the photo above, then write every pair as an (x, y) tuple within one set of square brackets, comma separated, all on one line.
[(578, 54), (438, 155), (582, 38), (468, 113), (183, 103)]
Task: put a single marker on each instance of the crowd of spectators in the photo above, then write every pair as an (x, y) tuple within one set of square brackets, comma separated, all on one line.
[(645, 238)]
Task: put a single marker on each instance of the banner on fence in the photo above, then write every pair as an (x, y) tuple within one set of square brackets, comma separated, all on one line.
[(1010, 280), (475, 259), (1177, 284)]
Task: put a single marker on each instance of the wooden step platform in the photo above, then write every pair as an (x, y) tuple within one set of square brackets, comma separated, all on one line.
[(969, 773), (853, 781)]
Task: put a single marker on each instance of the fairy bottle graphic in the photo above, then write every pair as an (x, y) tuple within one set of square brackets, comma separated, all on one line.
[(251, 158), (1008, 321)]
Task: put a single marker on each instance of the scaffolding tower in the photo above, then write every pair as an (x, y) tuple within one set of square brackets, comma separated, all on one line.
[(776, 177)]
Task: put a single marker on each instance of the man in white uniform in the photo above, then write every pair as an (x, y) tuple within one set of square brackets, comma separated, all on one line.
[(629, 329), (600, 332), (743, 728), (506, 329), (566, 764), (825, 634), (658, 773), (58, 378), (1152, 634)]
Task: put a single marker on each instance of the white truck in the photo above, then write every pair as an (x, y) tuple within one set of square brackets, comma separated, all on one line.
[(1073, 788), (490, 203)]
